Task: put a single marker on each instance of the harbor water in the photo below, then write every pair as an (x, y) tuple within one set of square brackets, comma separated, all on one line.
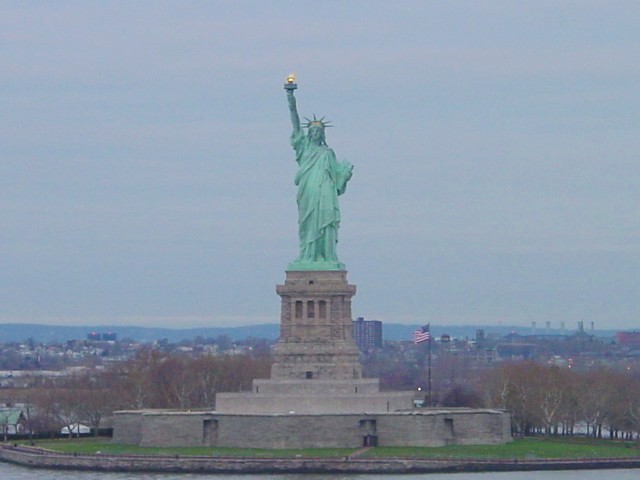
[(12, 472)]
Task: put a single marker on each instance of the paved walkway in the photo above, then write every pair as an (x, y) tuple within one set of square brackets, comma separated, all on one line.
[(357, 453)]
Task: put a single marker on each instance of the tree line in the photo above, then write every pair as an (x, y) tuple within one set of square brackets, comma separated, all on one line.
[(150, 379), (562, 401)]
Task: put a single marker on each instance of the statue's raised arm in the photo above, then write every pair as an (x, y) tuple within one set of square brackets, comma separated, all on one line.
[(290, 86)]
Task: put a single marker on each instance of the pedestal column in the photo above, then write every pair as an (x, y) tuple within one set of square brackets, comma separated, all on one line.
[(316, 340)]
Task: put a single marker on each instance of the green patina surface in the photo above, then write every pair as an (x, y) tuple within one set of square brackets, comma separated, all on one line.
[(320, 180)]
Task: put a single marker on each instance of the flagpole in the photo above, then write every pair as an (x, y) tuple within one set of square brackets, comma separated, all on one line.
[(421, 335), (429, 367)]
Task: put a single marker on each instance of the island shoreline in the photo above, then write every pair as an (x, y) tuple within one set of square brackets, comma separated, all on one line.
[(33, 457)]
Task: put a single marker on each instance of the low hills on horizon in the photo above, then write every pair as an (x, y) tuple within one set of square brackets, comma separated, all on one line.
[(19, 332)]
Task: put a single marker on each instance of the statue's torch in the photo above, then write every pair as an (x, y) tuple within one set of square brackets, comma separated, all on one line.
[(291, 85)]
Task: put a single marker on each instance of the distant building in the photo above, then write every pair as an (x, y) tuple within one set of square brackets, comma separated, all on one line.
[(367, 333), (515, 350), (12, 421), (628, 339), (104, 337)]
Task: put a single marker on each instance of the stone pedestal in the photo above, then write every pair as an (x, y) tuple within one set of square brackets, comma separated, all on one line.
[(315, 397), (317, 368), (316, 340)]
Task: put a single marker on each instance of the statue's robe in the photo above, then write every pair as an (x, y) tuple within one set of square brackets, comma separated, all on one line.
[(320, 179)]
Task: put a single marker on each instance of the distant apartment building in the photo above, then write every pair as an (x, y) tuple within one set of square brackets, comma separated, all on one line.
[(367, 333), (102, 337)]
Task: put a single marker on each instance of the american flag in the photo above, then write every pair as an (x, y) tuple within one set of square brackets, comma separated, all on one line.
[(422, 334)]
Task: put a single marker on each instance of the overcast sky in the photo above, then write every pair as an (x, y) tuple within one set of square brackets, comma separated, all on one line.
[(146, 175)]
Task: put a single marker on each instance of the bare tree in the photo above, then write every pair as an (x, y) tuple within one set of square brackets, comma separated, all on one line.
[(596, 399), (97, 396), (164, 380)]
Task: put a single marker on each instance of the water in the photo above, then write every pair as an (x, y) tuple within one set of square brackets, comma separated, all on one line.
[(11, 472)]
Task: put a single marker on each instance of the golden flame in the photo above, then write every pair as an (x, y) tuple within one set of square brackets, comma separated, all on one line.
[(291, 78)]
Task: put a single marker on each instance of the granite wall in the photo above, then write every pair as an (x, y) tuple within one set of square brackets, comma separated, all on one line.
[(416, 428)]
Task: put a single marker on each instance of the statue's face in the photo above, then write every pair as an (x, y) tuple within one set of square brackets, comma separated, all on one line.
[(316, 134)]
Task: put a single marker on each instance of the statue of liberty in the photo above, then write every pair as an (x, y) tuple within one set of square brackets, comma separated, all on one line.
[(320, 179)]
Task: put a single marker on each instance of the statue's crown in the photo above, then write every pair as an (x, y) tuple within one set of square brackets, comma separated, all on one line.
[(316, 122)]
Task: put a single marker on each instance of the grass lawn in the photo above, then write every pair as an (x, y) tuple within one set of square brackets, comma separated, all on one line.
[(521, 448), (91, 445), (526, 448)]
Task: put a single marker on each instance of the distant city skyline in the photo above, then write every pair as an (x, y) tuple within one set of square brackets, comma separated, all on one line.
[(147, 178)]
